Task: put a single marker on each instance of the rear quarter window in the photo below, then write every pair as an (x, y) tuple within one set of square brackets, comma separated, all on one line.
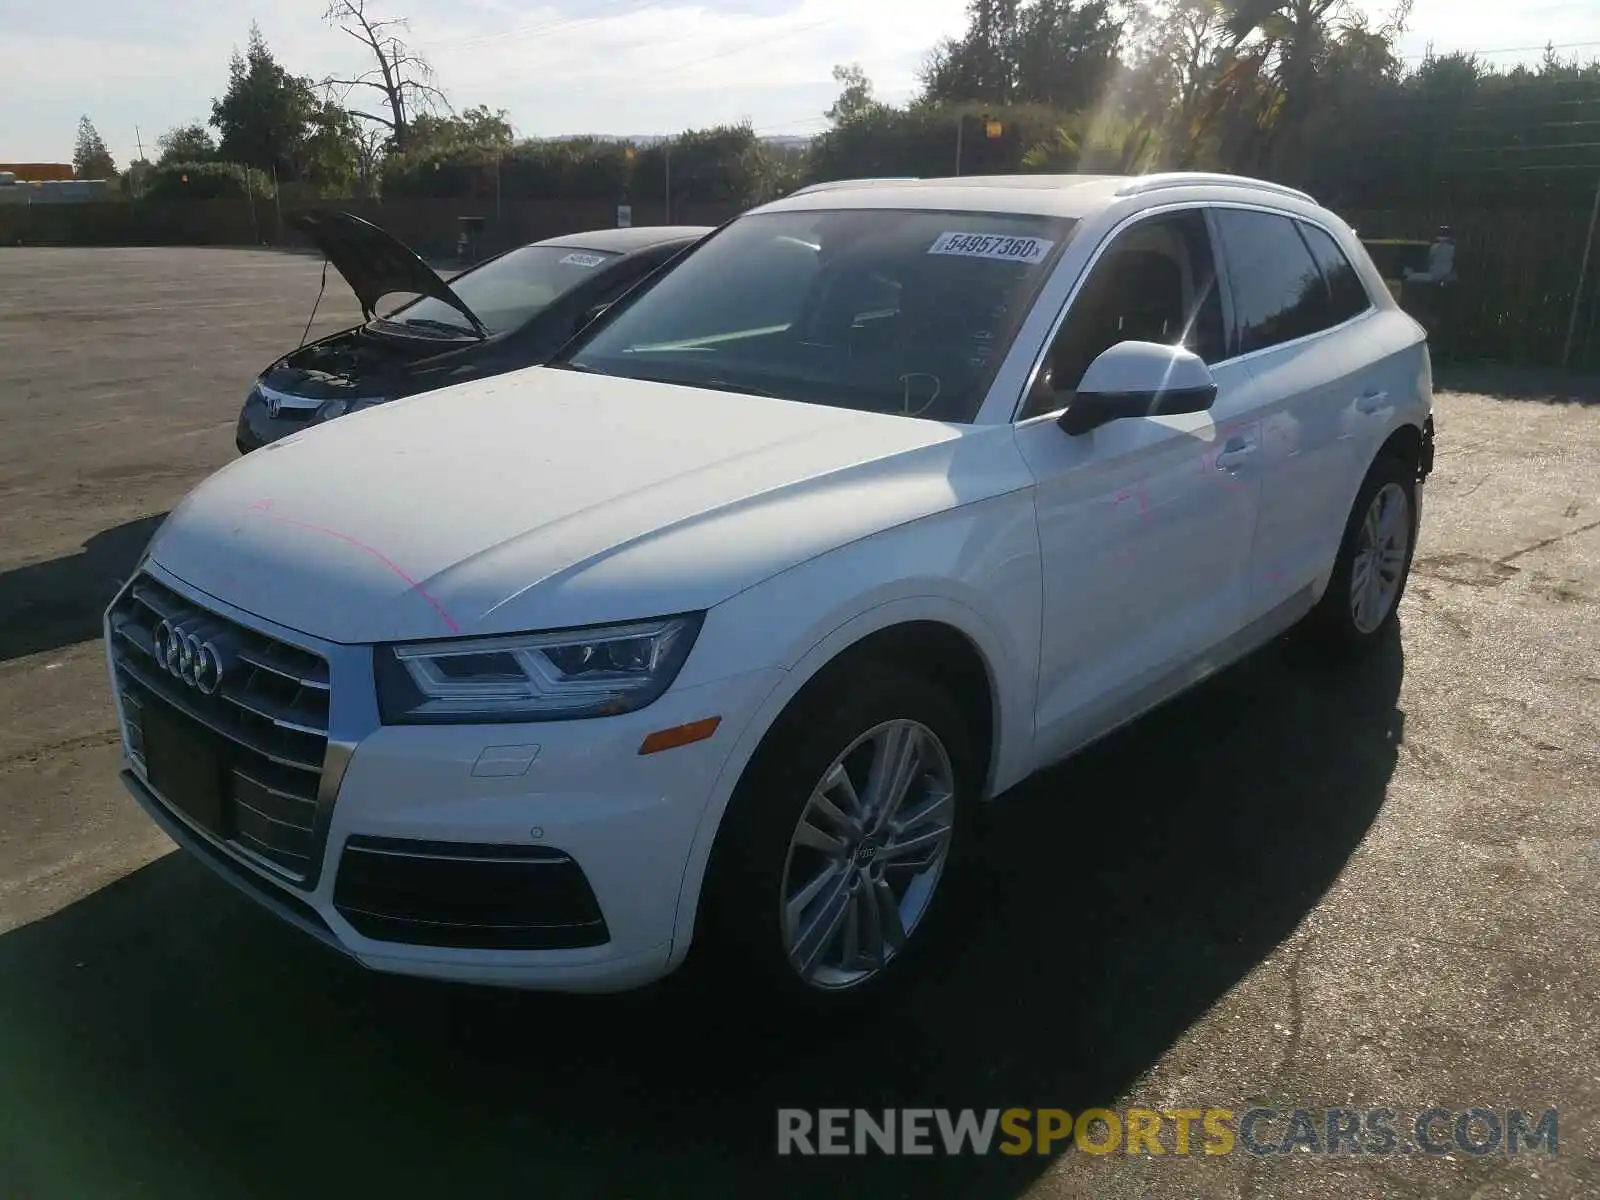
[(1348, 294)]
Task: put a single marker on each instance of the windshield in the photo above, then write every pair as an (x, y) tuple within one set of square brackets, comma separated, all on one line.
[(505, 292), (883, 310)]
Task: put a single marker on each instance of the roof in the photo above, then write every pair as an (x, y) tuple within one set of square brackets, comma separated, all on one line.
[(624, 241), (1073, 196)]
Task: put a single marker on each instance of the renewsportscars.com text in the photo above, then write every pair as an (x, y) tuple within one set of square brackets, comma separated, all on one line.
[(1477, 1131)]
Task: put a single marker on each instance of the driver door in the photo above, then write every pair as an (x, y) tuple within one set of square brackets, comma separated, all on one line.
[(1145, 524)]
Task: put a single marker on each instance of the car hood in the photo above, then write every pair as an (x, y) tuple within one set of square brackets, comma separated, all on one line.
[(548, 499), (374, 262)]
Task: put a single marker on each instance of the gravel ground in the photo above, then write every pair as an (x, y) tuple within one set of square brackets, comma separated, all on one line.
[(1297, 888)]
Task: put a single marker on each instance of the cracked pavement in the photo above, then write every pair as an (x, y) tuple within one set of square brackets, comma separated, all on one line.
[(1300, 886)]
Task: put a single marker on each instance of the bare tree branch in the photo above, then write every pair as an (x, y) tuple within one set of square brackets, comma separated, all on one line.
[(402, 74)]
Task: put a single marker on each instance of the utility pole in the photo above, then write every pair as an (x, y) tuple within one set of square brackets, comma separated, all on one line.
[(244, 177), (133, 178), (667, 216), (277, 204), (1583, 275), (960, 121)]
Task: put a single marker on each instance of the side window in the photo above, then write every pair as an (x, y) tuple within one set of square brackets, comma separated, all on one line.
[(1278, 290), (1156, 283), (1350, 297)]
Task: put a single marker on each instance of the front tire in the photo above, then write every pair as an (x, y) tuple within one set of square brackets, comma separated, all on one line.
[(1369, 577), (838, 851)]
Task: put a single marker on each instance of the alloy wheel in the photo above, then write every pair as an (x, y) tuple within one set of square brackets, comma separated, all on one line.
[(867, 854), (1378, 569)]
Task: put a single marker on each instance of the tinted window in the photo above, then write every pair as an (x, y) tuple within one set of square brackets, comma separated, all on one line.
[(1350, 297), (1278, 291), (893, 311), (1156, 283)]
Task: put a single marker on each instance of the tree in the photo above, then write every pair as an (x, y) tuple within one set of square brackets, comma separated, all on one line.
[(90, 158), (1095, 146), (1066, 53), (1174, 68), (476, 130), (135, 181), (402, 78), (186, 144), (1056, 52), (978, 65), (264, 116), (333, 154), (855, 94)]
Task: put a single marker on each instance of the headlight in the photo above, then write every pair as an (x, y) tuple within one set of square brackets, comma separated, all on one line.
[(595, 672), (329, 409)]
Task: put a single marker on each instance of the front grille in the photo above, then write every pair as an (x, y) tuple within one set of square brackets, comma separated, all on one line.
[(287, 412), (241, 755)]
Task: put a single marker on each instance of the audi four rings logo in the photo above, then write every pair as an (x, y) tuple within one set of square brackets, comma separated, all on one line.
[(190, 656)]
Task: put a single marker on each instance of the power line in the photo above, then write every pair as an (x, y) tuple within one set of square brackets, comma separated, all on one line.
[(1467, 50), (785, 124)]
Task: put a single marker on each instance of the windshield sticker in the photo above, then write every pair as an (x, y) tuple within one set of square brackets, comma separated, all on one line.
[(992, 245), (584, 260)]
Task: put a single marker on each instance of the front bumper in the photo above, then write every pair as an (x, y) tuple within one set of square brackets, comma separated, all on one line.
[(544, 856)]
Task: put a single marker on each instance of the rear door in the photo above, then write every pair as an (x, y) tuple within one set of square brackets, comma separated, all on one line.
[(1310, 361)]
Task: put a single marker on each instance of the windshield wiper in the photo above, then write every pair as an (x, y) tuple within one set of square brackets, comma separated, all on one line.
[(443, 326), (744, 389)]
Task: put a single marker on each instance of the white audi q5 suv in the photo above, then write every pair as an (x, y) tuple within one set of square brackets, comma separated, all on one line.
[(715, 631)]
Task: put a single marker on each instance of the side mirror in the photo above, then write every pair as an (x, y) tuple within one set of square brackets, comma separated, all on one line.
[(1139, 379)]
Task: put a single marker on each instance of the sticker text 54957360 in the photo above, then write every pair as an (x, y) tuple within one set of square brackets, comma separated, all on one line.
[(584, 260), (992, 245)]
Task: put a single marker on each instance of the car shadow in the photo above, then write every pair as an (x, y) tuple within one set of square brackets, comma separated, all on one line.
[(48, 605), (162, 1031)]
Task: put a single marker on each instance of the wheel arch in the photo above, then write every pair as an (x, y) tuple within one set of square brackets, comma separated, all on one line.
[(912, 630)]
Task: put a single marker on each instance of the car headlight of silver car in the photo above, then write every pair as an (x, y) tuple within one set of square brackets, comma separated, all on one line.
[(561, 675)]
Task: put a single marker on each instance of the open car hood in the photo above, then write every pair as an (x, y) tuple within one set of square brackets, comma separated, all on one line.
[(374, 263)]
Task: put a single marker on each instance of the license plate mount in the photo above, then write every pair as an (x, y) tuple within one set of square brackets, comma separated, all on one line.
[(183, 767)]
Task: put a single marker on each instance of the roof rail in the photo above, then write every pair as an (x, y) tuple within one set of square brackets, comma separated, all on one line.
[(835, 184), (1177, 179)]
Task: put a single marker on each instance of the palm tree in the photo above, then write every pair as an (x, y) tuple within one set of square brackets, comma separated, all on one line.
[(1093, 146), (1278, 45)]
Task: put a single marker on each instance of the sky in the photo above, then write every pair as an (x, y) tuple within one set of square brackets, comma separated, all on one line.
[(628, 67)]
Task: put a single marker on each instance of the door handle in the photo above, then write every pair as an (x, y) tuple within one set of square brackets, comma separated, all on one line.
[(1235, 452), (1371, 402)]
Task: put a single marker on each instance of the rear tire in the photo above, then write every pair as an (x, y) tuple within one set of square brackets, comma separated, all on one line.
[(1362, 601), (826, 880)]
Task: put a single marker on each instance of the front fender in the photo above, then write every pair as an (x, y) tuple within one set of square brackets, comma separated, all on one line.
[(975, 569)]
